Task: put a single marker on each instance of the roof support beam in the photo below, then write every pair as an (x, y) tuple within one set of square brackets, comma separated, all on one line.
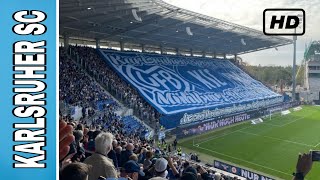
[(145, 22), (121, 46), (66, 41), (143, 49), (97, 43)]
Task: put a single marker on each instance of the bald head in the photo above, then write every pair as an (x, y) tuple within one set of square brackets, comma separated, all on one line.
[(114, 143), (118, 149), (130, 147)]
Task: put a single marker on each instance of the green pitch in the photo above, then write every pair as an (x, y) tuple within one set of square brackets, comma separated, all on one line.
[(270, 147)]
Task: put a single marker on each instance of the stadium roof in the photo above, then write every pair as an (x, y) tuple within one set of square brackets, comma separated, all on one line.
[(314, 47), (154, 22)]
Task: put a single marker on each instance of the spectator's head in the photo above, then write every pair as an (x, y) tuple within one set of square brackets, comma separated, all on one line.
[(131, 169), (188, 176), (133, 157), (217, 176), (190, 169), (103, 143), (85, 131), (149, 155), (78, 135), (157, 153), (143, 150), (160, 167), (75, 171), (186, 164), (114, 143), (130, 147), (118, 149), (79, 127)]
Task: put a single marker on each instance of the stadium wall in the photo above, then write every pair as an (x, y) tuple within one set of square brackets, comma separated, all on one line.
[(223, 121)]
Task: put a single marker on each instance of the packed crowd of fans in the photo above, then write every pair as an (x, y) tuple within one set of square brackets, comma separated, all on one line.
[(77, 87), (108, 152), (98, 68)]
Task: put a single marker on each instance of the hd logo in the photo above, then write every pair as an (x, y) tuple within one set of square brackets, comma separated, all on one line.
[(284, 22)]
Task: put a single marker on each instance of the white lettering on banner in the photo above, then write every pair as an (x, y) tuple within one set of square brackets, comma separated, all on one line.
[(252, 176), (210, 114), (175, 84), (156, 78)]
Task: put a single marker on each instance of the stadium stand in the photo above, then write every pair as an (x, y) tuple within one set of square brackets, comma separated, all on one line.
[(311, 62), (90, 61), (78, 88)]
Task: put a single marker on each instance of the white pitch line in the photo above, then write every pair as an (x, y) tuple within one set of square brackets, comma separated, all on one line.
[(270, 124), (284, 140), (300, 117), (317, 145), (244, 161), (295, 120), (216, 137)]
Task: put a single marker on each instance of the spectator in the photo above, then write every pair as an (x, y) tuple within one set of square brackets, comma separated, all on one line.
[(160, 168), (113, 155), (188, 176), (80, 152), (131, 169), (75, 171), (101, 164), (126, 154), (147, 162)]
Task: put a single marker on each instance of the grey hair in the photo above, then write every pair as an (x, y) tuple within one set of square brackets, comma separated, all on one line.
[(103, 143)]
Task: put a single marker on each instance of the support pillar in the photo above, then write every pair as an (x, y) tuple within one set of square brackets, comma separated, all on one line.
[(121, 46), (203, 54), (235, 58), (66, 41), (177, 51), (191, 52), (224, 56), (143, 49), (97, 43), (161, 49)]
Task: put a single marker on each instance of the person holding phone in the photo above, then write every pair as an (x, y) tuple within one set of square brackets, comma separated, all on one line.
[(303, 166)]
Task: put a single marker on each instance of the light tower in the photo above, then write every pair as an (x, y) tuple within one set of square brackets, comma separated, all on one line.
[(294, 61)]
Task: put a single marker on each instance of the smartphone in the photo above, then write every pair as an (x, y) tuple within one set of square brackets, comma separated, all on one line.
[(315, 155)]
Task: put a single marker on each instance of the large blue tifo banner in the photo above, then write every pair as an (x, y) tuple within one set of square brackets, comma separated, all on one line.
[(240, 171), (178, 86), (28, 90)]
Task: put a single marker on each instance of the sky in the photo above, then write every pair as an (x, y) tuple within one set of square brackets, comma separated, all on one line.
[(249, 13)]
